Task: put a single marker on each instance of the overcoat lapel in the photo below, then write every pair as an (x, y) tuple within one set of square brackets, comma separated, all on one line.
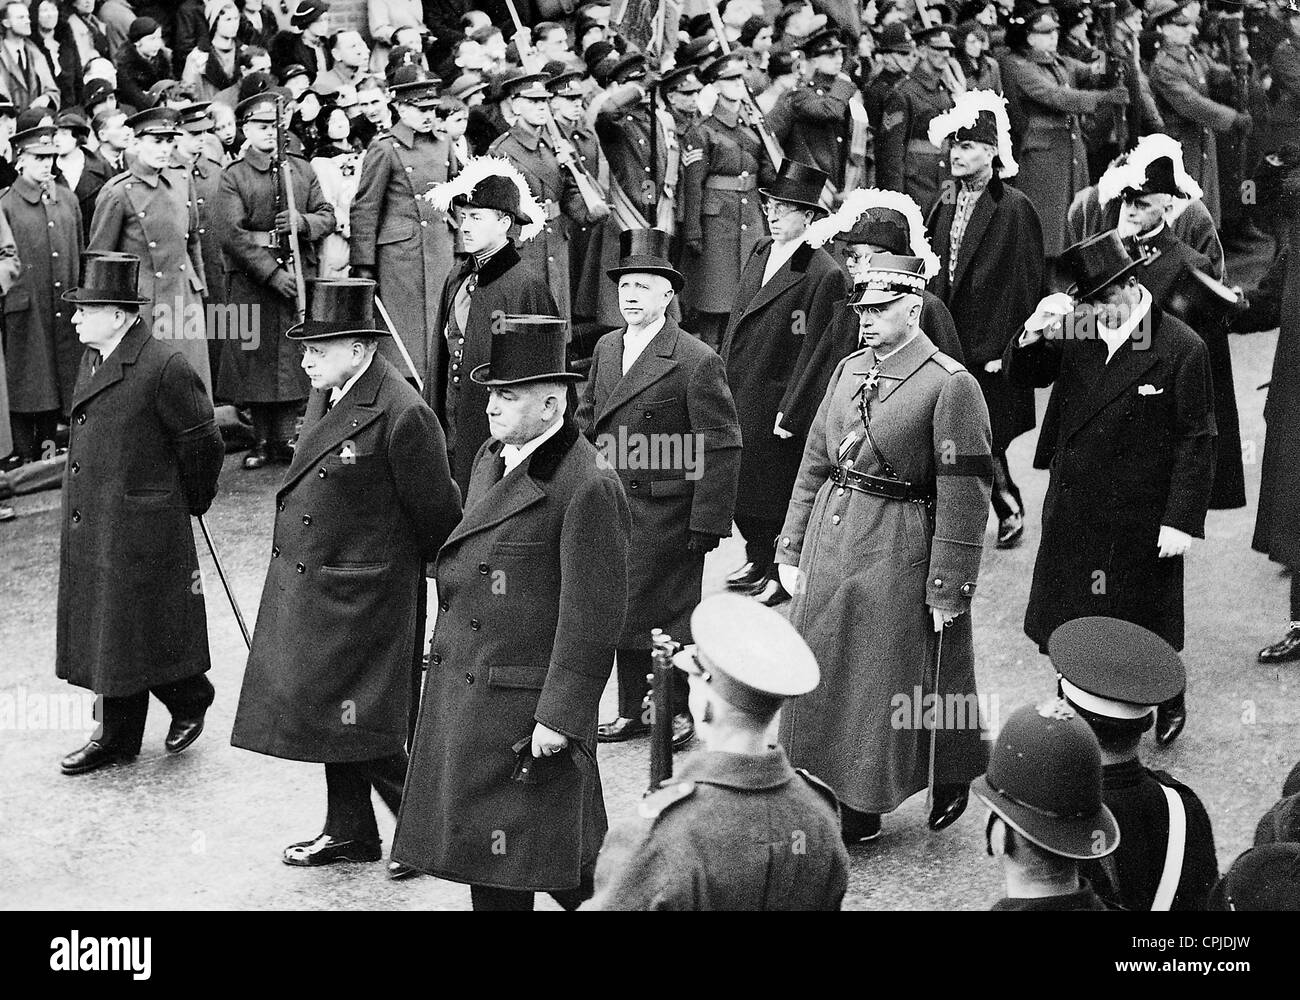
[(110, 372), (1122, 372), (324, 430), (653, 364)]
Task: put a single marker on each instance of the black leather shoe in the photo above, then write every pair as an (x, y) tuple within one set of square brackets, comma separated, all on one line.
[(398, 871), (858, 827), (746, 577), (949, 803), (182, 733), (257, 456), (1287, 650), (683, 729), (1169, 723), (620, 729), (771, 593), (325, 850), (1010, 530), (279, 452), (92, 757)]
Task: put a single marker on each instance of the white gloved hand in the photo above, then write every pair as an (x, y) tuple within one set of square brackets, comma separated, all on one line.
[(791, 579), (1173, 542)]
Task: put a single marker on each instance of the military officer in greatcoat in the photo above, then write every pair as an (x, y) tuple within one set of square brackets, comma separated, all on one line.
[(897, 54), (906, 159), (813, 123), (724, 164), (398, 237), (721, 834), (503, 792), (1114, 674), (144, 455), (653, 386), (264, 372), (367, 501)]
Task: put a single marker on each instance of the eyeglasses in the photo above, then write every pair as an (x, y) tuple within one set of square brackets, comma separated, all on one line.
[(780, 209)]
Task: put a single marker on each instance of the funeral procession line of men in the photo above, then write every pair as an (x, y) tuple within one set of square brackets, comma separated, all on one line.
[(469, 317)]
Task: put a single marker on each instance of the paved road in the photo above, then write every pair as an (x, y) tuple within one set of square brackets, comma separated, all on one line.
[(205, 829)]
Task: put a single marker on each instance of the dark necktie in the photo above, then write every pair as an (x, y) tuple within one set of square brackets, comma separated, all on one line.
[(500, 469), (22, 61), (95, 360), (463, 296)]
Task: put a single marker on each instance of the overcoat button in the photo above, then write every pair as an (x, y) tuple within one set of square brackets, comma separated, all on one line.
[(469, 678), (444, 605), (76, 517), (435, 659), (76, 467), (483, 568), (635, 484), (275, 552), (81, 418), (306, 519), (322, 473), (301, 568), (938, 582), (835, 519), (474, 624), (280, 505)]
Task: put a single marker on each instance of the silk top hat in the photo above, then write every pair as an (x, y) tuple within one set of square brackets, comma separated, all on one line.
[(751, 655), (156, 121), (1044, 781), (108, 279), (886, 277), (1115, 668), (895, 37), (822, 43), (526, 349), (1096, 262), (418, 93), (338, 307), (937, 37), (38, 141), (645, 251), (799, 184)]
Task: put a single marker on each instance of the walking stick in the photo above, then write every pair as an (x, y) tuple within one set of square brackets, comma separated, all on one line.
[(406, 355), (934, 728), (221, 572)]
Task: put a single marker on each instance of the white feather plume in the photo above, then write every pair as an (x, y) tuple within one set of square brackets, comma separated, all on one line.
[(1132, 173), (857, 202), (476, 168), (966, 112)]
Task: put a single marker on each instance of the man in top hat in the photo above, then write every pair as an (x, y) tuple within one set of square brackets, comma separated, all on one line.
[(303, 41), (1046, 814), (41, 351), (897, 56), (1114, 674), (148, 210), (490, 200), (736, 828), (144, 455), (651, 384), (367, 501), (989, 241), (724, 164), (881, 547), (504, 790), (906, 159), (1129, 436), (783, 301), (398, 237), (261, 369), (82, 169)]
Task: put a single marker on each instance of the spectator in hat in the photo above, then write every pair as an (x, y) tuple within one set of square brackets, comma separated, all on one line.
[(98, 95), (83, 170), (24, 68), (350, 58), (257, 25), (304, 40), (1046, 814), (141, 63), (980, 69), (720, 834), (1263, 878)]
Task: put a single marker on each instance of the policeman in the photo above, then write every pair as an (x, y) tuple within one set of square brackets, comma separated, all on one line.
[(1043, 790), (737, 828), (1114, 674)]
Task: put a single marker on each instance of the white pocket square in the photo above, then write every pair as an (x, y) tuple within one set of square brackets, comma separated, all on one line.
[(347, 452), (1149, 390)]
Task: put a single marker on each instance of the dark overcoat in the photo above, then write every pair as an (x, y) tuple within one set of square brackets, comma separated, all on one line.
[(41, 348), (94, 175), (812, 123), (532, 589), (1000, 277), (144, 454), (770, 339), (674, 398), (504, 286), (399, 233), (874, 567), (244, 213), (367, 500), (1130, 445), (1193, 225), (205, 176)]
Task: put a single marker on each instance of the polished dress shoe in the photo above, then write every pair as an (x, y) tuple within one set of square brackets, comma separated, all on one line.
[(683, 729), (1169, 723), (325, 850), (771, 593), (92, 757), (746, 577), (949, 803), (1286, 650), (182, 732), (398, 871), (1010, 530), (858, 827), (620, 729), (257, 456)]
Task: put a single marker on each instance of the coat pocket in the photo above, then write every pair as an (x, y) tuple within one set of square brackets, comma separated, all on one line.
[(18, 300), (525, 676), (670, 488), (396, 232)]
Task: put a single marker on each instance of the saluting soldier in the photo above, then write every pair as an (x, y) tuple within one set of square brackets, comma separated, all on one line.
[(149, 210), (881, 547), (906, 159), (503, 791), (367, 501), (724, 165), (638, 181), (398, 237), (679, 90), (721, 834), (812, 123), (1115, 673), (652, 384), (264, 372)]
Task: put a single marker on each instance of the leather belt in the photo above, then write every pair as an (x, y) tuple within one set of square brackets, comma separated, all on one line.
[(264, 239), (718, 182), (890, 489)]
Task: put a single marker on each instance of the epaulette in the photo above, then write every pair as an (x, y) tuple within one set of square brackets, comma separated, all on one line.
[(950, 365), (498, 140), (668, 795), (820, 787)]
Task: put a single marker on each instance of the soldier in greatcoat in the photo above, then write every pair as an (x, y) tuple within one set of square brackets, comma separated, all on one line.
[(367, 501), (813, 123)]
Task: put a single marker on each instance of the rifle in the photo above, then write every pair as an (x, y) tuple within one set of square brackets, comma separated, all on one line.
[(1124, 132), (1231, 30), (290, 258), (773, 148), (661, 707)]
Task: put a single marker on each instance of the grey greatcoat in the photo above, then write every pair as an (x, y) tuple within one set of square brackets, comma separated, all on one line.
[(872, 569)]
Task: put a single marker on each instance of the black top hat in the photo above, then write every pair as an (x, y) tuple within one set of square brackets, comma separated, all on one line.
[(497, 192), (894, 37), (38, 141), (1158, 179), (338, 307), (821, 43), (645, 251), (884, 228), (108, 279), (419, 93), (156, 121), (798, 183), (526, 349), (1096, 262)]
